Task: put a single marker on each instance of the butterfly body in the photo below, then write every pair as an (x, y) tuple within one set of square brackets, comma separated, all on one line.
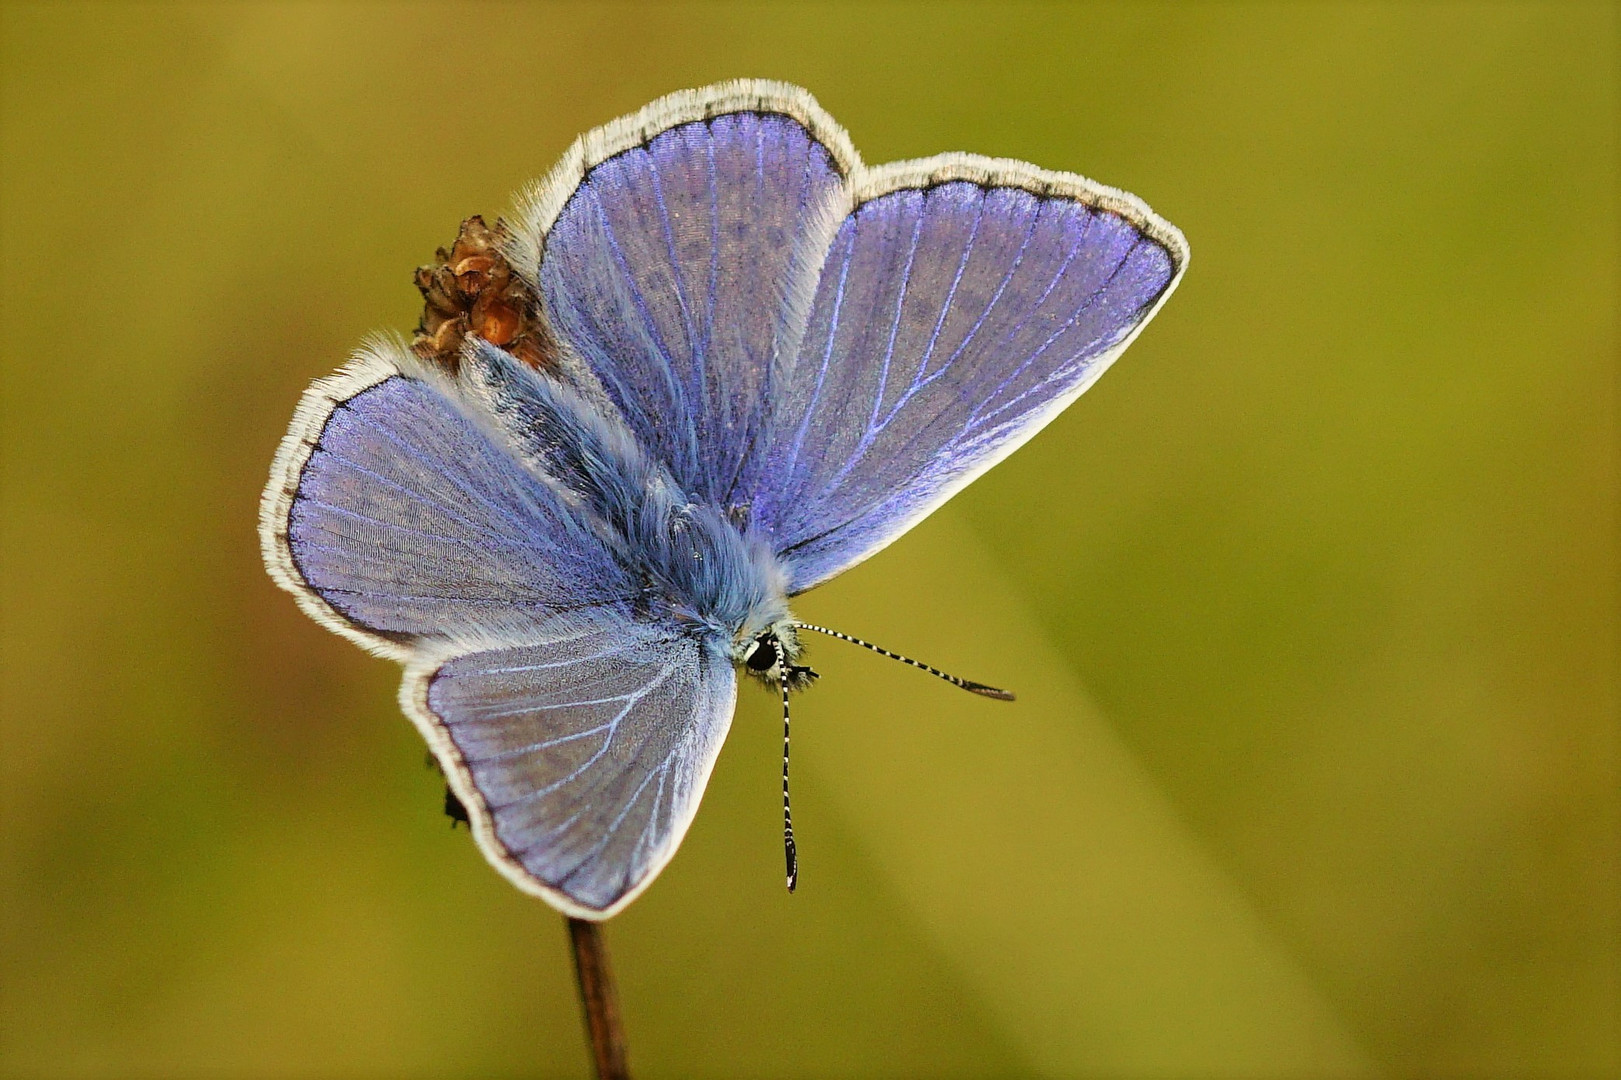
[(700, 566), (703, 566), (766, 362)]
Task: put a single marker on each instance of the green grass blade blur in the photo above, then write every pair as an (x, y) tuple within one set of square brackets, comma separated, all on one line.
[(1311, 604)]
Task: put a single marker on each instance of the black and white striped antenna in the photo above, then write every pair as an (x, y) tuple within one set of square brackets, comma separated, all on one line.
[(966, 684), (787, 815)]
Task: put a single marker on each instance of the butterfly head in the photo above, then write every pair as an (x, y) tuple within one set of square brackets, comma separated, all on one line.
[(771, 654)]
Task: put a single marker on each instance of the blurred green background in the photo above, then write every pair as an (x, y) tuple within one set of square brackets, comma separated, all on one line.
[(1311, 603)]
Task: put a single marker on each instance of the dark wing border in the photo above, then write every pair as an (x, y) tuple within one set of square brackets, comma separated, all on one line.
[(374, 363), (542, 202)]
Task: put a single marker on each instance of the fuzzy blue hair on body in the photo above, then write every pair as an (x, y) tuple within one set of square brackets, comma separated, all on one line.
[(706, 568)]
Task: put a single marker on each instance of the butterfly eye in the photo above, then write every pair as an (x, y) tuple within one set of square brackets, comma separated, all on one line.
[(762, 654)]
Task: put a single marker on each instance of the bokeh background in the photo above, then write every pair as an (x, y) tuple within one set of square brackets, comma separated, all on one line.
[(1311, 603)]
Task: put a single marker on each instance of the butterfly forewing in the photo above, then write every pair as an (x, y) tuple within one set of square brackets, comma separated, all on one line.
[(666, 270), (409, 521), (951, 321)]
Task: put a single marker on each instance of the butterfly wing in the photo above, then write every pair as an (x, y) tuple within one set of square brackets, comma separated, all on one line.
[(578, 735), (665, 246), (394, 519), (835, 348), (963, 304), (580, 760)]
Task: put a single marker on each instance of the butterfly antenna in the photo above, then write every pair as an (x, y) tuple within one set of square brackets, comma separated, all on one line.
[(967, 684), (788, 847)]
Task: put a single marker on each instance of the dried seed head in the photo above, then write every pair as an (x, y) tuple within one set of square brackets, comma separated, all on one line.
[(472, 289)]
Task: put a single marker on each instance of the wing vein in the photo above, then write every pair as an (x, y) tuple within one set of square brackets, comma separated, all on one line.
[(1056, 334), (678, 399), (424, 500), (827, 356), (422, 459), (520, 751), (344, 511), (676, 279)]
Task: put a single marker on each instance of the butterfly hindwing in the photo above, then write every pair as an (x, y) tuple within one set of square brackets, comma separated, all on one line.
[(581, 759)]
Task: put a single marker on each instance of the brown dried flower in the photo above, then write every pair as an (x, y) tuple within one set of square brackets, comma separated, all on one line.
[(472, 289)]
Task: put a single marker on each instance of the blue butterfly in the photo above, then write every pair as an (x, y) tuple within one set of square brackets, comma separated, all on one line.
[(765, 361)]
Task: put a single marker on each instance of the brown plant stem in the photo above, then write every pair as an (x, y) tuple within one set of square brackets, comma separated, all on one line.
[(600, 1000)]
